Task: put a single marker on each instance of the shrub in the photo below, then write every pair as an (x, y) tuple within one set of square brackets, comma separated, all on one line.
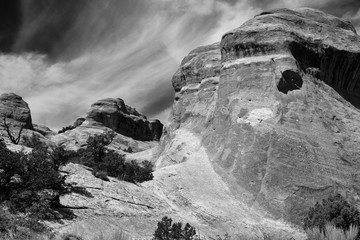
[(20, 227), (106, 162), (103, 175), (32, 142), (31, 183), (166, 230), (335, 210), (96, 145), (67, 128)]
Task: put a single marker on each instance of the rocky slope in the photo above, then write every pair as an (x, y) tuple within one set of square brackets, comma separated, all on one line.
[(279, 120)]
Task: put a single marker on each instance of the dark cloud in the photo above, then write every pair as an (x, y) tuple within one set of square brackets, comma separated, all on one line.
[(55, 27), (116, 48), (10, 20)]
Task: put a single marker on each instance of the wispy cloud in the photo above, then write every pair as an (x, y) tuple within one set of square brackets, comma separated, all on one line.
[(127, 49)]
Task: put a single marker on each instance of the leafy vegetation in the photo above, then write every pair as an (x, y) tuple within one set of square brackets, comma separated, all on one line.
[(335, 210), (67, 128), (32, 142), (106, 162), (167, 230), (334, 216), (32, 183), (30, 188)]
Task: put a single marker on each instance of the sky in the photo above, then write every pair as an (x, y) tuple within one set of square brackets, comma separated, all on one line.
[(67, 54)]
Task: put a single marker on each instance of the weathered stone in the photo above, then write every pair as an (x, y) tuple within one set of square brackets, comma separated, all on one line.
[(278, 128), (114, 114), (14, 107), (78, 122), (43, 130), (196, 83)]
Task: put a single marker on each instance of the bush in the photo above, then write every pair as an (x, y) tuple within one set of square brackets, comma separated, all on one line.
[(20, 227), (32, 142), (106, 162), (334, 210), (32, 183), (166, 230), (67, 128)]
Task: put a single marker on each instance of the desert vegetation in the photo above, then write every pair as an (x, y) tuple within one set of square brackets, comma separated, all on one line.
[(333, 219), (169, 230), (30, 189), (67, 128), (106, 162)]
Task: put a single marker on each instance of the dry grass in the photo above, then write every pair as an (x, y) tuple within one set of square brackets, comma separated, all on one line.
[(332, 233)]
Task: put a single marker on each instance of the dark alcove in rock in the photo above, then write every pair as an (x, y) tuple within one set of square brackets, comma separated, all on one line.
[(289, 81), (337, 68)]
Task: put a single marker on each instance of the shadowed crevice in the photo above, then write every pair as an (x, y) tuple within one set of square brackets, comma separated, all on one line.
[(289, 81), (337, 68)]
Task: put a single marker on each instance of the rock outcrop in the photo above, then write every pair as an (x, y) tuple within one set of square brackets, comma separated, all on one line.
[(195, 84), (43, 130), (14, 107), (274, 105), (114, 114)]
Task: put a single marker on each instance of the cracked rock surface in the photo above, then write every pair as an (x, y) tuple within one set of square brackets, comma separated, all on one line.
[(275, 106)]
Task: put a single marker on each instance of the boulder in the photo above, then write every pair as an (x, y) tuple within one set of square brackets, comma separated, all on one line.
[(78, 122), (12, 106), (43, 130), (114, 114)]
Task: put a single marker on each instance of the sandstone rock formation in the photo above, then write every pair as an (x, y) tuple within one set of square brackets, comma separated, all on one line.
[(43, 130), (264, 124), (274, 106), (123, 119), (14, 107)]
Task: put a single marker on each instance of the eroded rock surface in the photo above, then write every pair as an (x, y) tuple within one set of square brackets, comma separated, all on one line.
[(280, 126), (114, 114), (12, 106), (196, 83)]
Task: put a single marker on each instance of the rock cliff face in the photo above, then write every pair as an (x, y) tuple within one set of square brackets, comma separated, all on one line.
[(274, 105), (114, 114), (14, 107)]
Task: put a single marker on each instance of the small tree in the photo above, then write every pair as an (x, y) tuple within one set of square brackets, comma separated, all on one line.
[(10, 133), (67, 128), (166, 230), (32, 183), (33, 141), (334, 210), (105, 161), (96, 145)]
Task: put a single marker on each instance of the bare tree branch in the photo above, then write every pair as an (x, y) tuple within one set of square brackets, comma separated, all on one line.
[(11, 135)]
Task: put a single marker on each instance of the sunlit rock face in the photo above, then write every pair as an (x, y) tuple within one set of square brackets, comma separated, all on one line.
[(123, 119), (281, 127), (196, 83)]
